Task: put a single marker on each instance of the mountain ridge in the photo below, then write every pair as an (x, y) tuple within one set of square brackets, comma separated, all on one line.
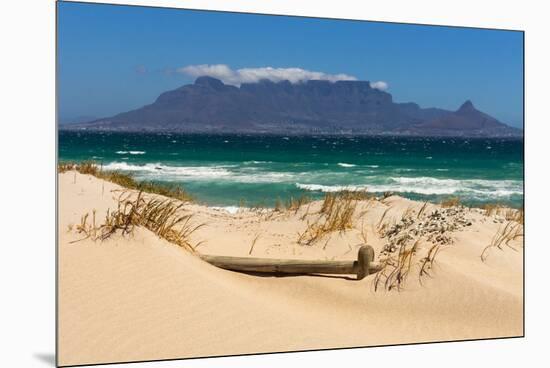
[(310, 107)]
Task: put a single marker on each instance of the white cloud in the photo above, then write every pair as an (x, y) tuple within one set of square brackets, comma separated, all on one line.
[(219, 71), (252, 75), (380, 85)]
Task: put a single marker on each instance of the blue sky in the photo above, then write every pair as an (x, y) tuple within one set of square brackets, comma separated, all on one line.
[(116, 58)]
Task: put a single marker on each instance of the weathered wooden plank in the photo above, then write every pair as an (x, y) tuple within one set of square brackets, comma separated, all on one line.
[(281, 265), (362, 267)]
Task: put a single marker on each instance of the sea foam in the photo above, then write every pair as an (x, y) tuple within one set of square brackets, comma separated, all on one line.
[(343, 164), (229, 209), (130, 152), (472, 188), (159, 171)]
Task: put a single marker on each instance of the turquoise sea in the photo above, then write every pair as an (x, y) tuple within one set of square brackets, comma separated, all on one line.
[(225, 170)]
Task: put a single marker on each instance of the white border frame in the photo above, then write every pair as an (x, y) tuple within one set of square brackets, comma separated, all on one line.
[(28, 156)]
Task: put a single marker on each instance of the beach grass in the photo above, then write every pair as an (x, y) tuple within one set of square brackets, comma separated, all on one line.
[(422, 210), (517, 215), (395, 269), (450, 202), (254, 241), (427, 262), (336, 214), (381, 225), (164, 217), (509, 214), (512, 230), (125, 180), (398, 266), (491, 208), (295, 203), (292, 204)]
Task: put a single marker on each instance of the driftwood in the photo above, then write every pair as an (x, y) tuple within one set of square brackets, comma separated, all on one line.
[(362, 267)]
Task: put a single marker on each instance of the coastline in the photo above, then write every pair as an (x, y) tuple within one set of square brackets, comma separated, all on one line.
[(222, 170), (141, 290), (81, 127)]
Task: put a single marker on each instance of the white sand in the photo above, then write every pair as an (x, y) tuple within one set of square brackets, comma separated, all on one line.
[(141, 298)]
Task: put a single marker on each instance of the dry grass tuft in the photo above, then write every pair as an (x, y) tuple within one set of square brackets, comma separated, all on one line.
[(294, 204), (427, 262), (358, 195), (279, 206), (336, 214), (386, 195), (402, 255), (491, 208), (125, 180), (258, 206), (306, 213), (63, 167), (328, 203), (345, 195), (253, 243), (515, 215), (395, 269), (381, 225), (511, 231), (161, 216), (422, 210), (509, 214), (450, 202), (409, 212)]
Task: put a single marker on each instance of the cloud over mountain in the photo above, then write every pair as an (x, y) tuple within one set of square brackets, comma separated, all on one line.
[(253, 75), (381, 85)]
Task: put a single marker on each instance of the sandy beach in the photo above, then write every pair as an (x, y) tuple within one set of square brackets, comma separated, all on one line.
[(140, 297)]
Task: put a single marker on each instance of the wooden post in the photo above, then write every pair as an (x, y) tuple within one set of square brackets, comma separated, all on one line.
[(362, 267), (364, 259)]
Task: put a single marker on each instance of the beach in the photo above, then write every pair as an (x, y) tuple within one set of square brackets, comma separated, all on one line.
[(140, 297)]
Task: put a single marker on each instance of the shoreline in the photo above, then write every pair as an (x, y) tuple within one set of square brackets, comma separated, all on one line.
[(290, 133), (140, 289), (422, 187)]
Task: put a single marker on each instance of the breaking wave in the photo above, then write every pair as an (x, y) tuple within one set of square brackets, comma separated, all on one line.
[(343, 164), (158, 171), (473, 188), (130, 152)]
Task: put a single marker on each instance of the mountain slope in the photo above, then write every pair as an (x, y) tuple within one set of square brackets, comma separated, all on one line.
[(314, 106), (467, 119)]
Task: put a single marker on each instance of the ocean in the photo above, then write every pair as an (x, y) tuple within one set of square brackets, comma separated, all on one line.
[(232, 170)]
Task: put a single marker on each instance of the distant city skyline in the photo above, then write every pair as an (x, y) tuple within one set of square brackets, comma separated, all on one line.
[(117, 58)]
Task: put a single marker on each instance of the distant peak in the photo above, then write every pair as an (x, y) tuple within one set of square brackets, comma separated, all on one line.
[(208, 81), (467, 106)]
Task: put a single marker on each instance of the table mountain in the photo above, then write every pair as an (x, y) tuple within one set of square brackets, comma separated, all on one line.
[(310, 107)]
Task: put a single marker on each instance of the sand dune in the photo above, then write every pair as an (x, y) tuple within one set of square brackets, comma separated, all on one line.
[(139, 297)]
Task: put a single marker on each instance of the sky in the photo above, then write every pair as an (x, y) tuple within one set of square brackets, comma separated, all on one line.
[(113, 59)]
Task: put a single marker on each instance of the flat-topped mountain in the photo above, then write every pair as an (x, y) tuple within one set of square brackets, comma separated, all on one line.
[(311, 107)]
